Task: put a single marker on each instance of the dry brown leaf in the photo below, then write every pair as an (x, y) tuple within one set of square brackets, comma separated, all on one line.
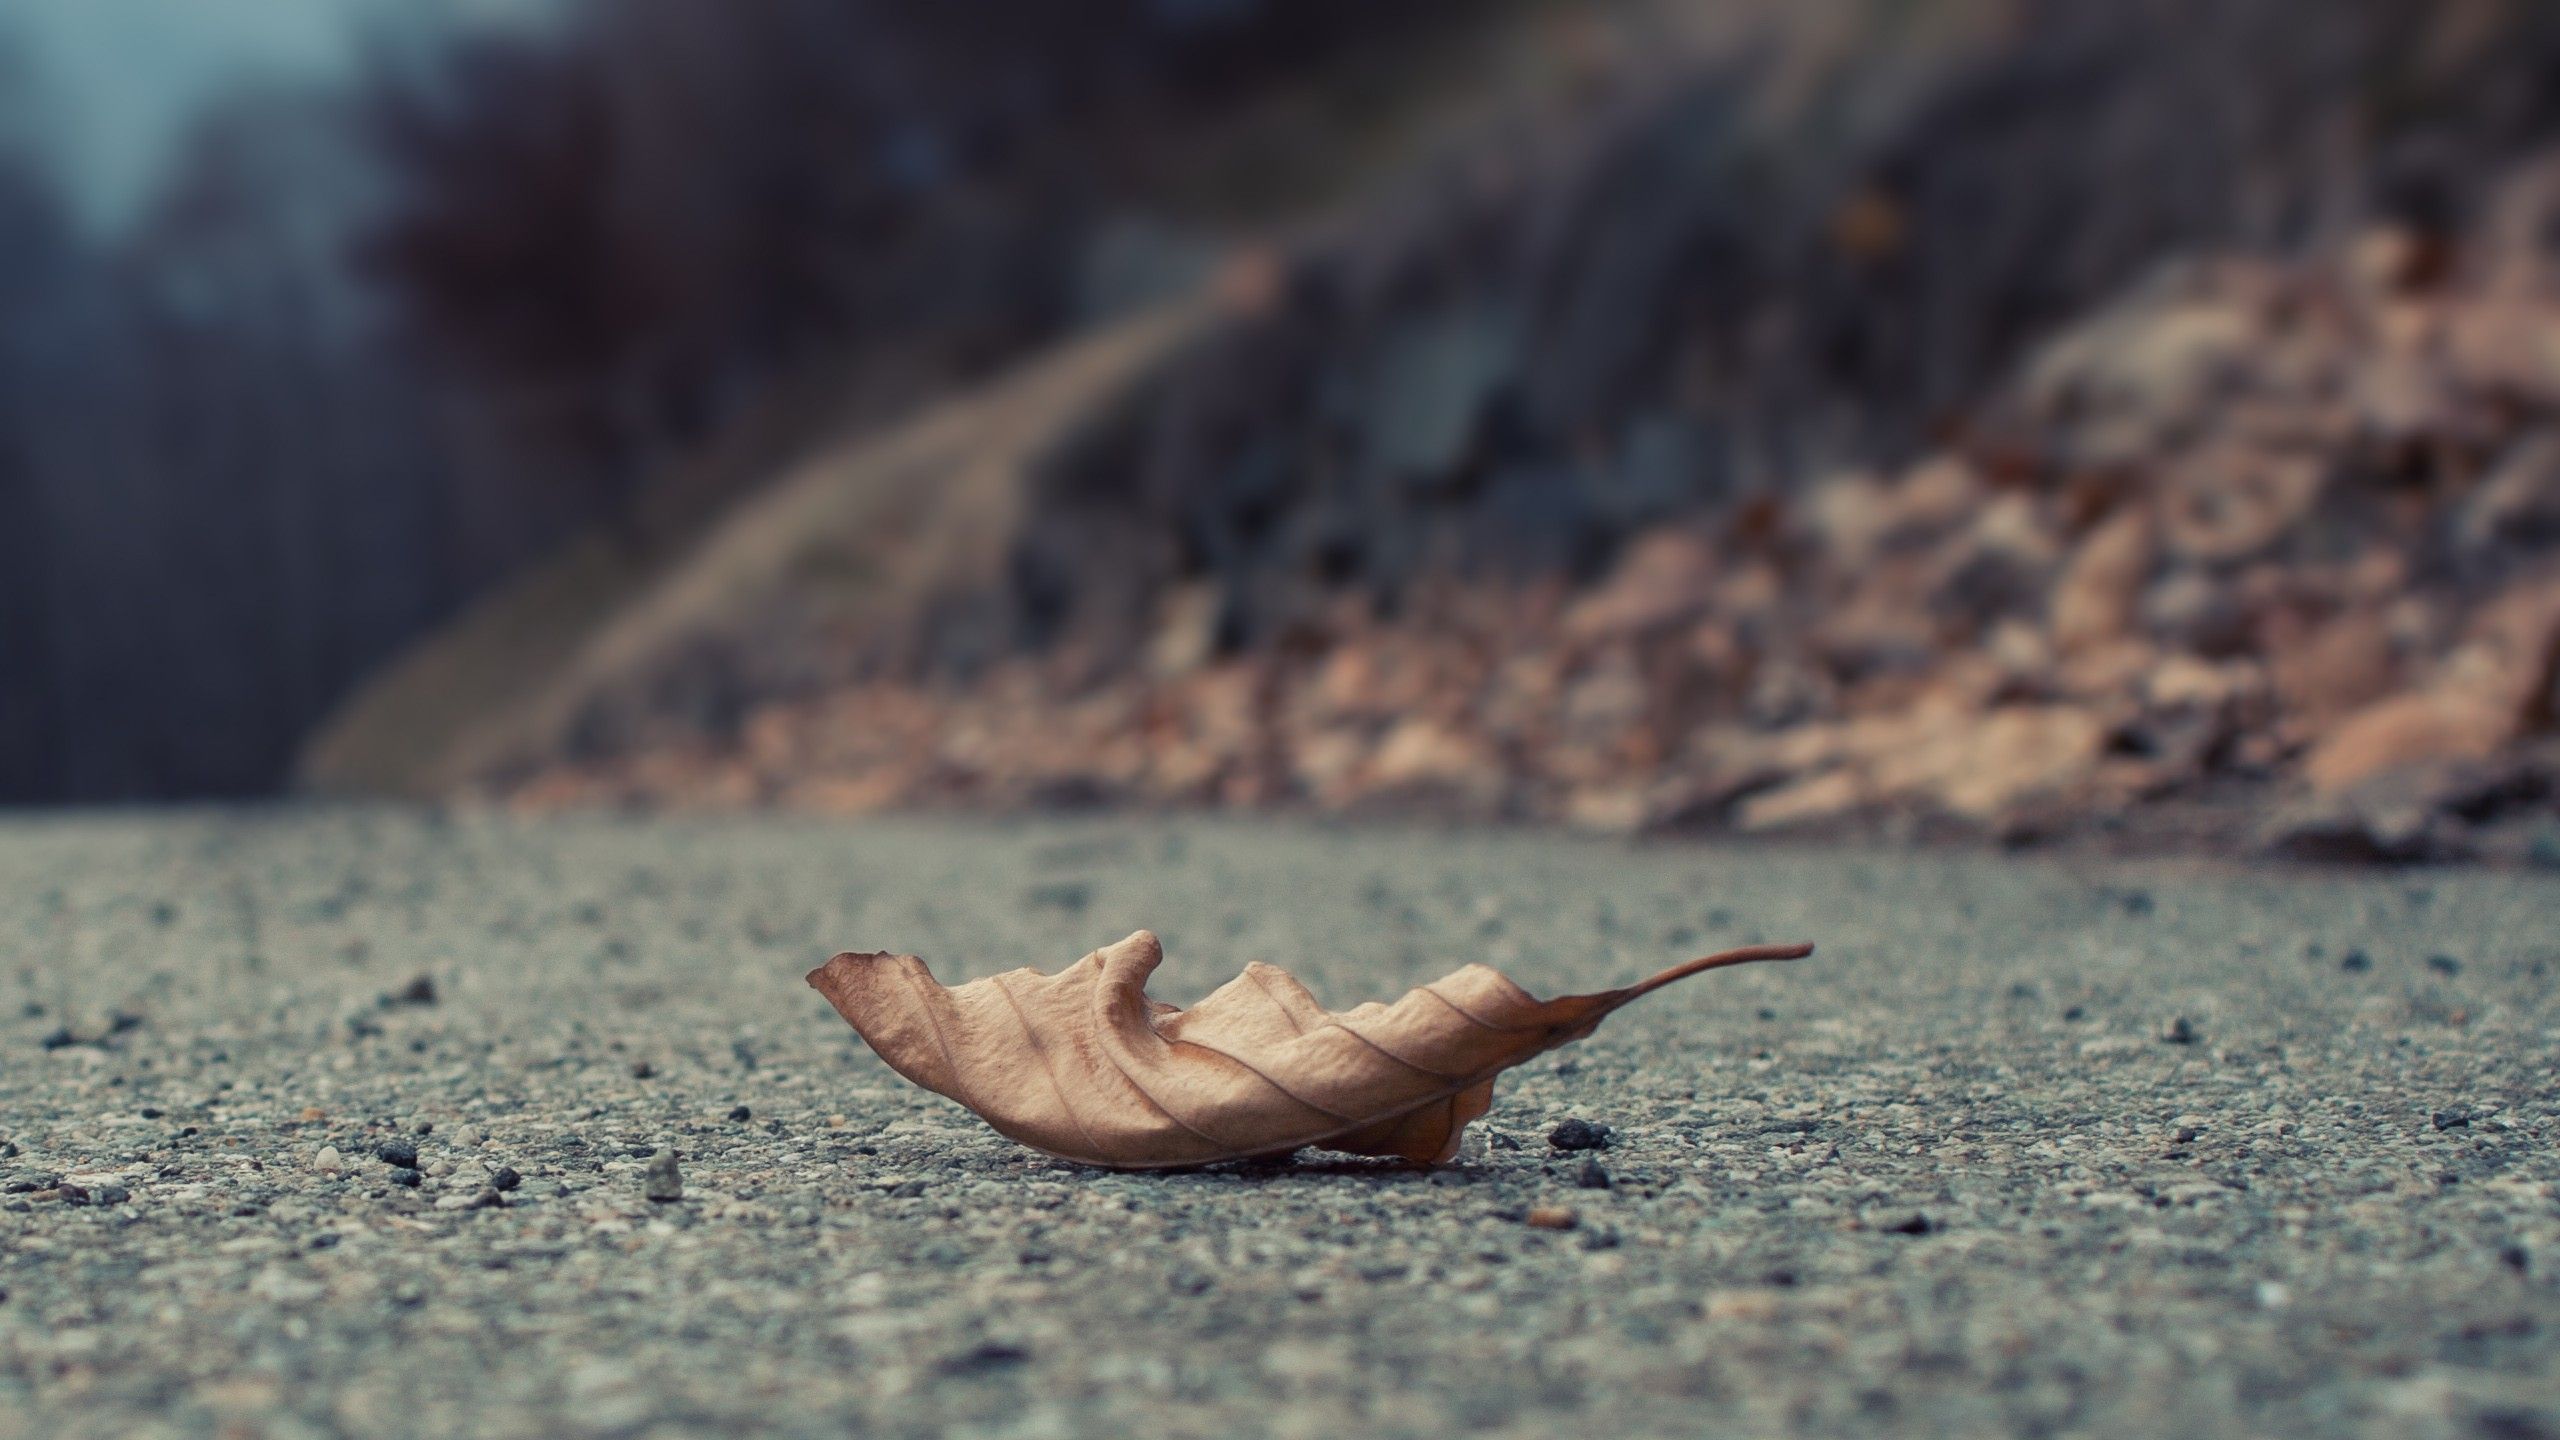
[(1083, 1065)]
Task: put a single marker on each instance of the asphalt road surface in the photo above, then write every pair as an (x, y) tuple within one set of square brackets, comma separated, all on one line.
[(2032, 1146)]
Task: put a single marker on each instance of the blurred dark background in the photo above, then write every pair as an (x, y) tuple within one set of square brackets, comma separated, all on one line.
[(326, 321), (323, 315)]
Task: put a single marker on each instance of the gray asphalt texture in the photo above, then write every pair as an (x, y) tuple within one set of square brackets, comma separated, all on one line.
[(2032, 1146)]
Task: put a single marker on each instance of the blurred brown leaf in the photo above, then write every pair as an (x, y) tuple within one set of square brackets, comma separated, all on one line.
[(1083, 1065)]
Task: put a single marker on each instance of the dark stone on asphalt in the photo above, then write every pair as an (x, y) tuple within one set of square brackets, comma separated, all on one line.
[(2355, 962), (409, 1178), (2453, 1116), (112, 1195), (398, 1151), (1914, 1223), (1592, 1176), (2444, 965), (642, 1069), (741, 1113), (419, 991), (986, 1355), (2179, 1031), (505, 1178), (1579, 1135)]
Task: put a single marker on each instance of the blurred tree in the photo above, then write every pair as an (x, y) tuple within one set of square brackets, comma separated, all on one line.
[(219, 497), (615, 233), (35, 250)]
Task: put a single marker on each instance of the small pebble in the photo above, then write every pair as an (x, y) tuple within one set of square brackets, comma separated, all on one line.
[(1552, 1217), (1592, 1176), (400, 1152), (661, 1180), (2179, 1031), (642, 1070), (2355, 962), (1579, 1135), (409, 1178), (468, 1137), (2444, 965), (505, 1178), (328, 1161), (741, 1112), (111, 1195)]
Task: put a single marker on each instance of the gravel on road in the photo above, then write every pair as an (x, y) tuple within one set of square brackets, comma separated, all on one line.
[(373, 1123)]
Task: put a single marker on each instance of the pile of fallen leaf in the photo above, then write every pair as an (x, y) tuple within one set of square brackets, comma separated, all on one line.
[(2268, 550)]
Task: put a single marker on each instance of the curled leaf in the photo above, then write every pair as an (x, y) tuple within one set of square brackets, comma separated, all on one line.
[(1083, 1065)]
